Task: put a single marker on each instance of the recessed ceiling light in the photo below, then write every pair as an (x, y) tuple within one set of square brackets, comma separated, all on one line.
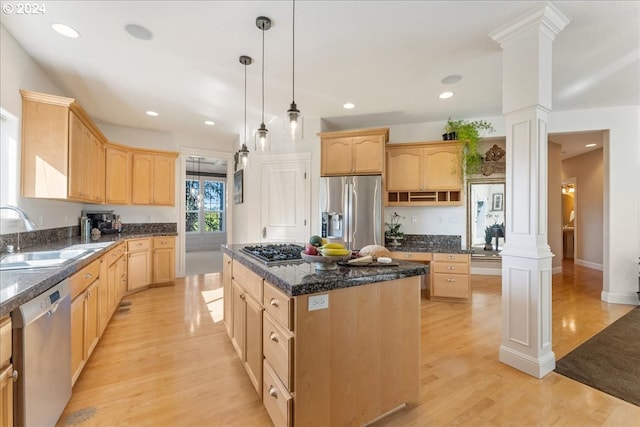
[(445, 95), (152, 113), (65, 30), (348, 106), (209, 122), (453, 78), (590, 145), (138, 31)]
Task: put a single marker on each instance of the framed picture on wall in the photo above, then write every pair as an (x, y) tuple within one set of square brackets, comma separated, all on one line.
[(496, 202), (238, 187)]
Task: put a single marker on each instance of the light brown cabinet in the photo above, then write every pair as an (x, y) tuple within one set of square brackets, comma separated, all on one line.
[(85, 321), (227, 292), (423, 174), (450, 277), (139, 263), (117, 174), (62, 150), (153, 179), (164, 260), (246, 299), (114, 270), (359, 152), (6, 373)]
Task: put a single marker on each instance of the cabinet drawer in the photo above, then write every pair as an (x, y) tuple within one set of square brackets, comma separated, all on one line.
[(5, 341), (450, 267), (277, 346), (279, 305), (451, 257), (138, 245), (276, 398), (450, 285), (412, 256), (83, 278), (115, 253), (250, 281), (164, 242)]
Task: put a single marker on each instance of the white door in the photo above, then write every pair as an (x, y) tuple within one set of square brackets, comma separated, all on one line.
[(284, 200)]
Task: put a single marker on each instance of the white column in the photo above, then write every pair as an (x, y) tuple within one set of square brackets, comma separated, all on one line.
[(526, 258)]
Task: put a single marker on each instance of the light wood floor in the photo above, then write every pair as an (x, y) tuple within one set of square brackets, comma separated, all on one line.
[(164, 362)]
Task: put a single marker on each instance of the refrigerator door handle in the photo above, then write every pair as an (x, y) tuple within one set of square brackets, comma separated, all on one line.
[(350, 215)]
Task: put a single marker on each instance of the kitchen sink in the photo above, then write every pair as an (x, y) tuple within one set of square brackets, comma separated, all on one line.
[(41, 259)]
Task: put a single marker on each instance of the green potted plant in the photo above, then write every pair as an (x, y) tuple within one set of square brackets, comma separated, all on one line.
[(393, 229), (488, 235), (468, 133)]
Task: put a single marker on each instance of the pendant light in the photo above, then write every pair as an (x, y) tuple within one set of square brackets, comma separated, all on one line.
[(242, 156), (199, 196), (262, 137), (192, 185), (294, 120)]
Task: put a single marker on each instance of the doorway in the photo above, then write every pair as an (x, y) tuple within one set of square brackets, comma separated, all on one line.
[(569, 232)]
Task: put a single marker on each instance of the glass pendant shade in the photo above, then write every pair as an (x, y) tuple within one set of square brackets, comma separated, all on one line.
[(262, 139), (294, 125), (243, 156)]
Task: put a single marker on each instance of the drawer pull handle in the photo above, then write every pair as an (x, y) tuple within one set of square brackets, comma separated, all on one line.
[(274, 302), (409, 256), (451, 257), (273, 392), (14, 376), (88, 276), (273, 337), (451, 280), (451, 267)]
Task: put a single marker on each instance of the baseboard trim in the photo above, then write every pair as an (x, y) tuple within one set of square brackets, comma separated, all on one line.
[(486, 271), (626, 298), (535, 367), (588, 264), (556, 270)]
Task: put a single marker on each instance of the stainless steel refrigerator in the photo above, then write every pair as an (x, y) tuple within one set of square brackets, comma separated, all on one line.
[(351, 210)]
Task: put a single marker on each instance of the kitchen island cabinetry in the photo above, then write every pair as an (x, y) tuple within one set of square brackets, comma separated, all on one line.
[(153, 178), (85, 323), (423, 174), (6, 373), (358, 152), (227, 292), (117, 174), (139, 263), (338, 347)]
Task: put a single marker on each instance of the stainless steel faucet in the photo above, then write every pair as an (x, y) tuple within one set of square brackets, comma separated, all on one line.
[(28, 224)]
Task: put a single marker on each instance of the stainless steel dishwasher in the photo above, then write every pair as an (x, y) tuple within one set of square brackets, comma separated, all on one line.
[(42, 357)]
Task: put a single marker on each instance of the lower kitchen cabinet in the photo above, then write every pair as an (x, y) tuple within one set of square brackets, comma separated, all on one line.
[(139, 263), (6, 373), (246, 300), (164, 260), (226, 284), (114, 269), (85, 322), (450, 277)]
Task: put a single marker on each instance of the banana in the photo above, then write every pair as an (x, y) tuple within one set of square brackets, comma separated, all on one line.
[(334, 251), (332, 246)]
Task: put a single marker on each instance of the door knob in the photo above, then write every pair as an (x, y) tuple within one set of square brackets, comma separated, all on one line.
[(264, 232)]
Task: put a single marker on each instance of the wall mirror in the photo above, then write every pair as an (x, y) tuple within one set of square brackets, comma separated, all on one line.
[(485, 217)]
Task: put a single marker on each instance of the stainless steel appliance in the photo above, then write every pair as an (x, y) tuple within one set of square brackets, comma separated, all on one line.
[(351, 210), (271, 254), (42, 357), (105, 221)]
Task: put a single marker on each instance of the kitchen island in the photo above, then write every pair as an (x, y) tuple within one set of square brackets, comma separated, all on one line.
[(336, 347)]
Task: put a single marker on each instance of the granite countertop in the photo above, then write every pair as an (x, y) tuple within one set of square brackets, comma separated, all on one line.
[(431, 243), (19, 286), (300, 278)]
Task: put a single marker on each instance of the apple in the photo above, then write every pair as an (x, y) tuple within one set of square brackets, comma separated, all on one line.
[(310, 249)]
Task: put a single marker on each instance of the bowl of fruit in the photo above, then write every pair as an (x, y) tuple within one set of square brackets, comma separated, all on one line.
[(325, 255)]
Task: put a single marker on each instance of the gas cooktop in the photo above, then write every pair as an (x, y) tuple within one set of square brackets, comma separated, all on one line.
[(271, 254)]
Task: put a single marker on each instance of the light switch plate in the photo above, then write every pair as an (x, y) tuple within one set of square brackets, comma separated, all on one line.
[(318, 302)]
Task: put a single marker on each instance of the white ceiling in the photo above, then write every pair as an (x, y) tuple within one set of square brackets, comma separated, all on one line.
[(387, 57)]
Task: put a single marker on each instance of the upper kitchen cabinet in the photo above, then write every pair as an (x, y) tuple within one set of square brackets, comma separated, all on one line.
[(62, 150), (153, 178), (423, 174), (117, 174), (358, 152)]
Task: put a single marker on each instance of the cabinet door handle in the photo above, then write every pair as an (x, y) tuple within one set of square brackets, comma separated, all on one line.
[(14, 376), (273, 392), (274, 302), (88, 276), (273, 337)]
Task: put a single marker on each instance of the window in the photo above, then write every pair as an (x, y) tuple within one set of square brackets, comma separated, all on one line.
[(204, 205)]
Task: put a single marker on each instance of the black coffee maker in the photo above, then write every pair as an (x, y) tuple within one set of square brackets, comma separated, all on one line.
[(105, 221)]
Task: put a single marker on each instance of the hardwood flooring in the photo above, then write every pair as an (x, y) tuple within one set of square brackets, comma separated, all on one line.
[(164, 362)]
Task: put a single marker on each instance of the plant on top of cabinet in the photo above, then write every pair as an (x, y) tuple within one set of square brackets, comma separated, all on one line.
[(468, 133)]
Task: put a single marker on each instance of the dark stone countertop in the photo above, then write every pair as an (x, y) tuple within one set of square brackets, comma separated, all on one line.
[(429, 249), (432, 243), (19, 286), (301, 278)]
